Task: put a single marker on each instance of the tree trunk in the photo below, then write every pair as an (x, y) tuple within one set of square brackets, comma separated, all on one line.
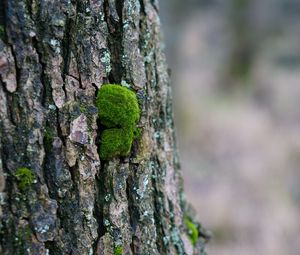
[(57, 195)]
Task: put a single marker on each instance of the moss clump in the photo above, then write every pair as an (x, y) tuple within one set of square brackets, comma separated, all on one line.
[(118, 250), (118, 106), (25, 177), (119, 112), (193, 232)]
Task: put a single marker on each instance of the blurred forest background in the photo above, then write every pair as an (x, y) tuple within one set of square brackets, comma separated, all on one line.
[(236, 82)]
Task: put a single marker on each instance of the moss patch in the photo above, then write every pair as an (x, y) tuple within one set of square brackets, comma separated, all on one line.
[(25, 177), (119, 112), (193, 232), (118, 250)]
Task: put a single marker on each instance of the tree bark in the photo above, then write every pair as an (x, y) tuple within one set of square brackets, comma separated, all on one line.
[(54, 56)]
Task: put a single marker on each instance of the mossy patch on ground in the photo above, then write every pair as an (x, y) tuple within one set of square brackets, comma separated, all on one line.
[(25, 177), (119, 113)]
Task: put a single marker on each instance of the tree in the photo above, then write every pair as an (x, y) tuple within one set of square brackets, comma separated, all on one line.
[(57, 195)]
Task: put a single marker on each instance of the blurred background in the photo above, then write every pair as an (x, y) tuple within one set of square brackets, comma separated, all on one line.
[(236, 82)]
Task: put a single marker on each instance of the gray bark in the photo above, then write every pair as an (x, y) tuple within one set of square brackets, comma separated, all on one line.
[(54, 56)]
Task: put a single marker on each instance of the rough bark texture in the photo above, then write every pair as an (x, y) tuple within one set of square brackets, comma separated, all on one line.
[(54, 55)]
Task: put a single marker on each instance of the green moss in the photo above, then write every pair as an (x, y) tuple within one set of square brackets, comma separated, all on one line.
[(118, 250), (115, 142), (25, 177), (117, 106), (192, 230), (83, 109), (118, 112)]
